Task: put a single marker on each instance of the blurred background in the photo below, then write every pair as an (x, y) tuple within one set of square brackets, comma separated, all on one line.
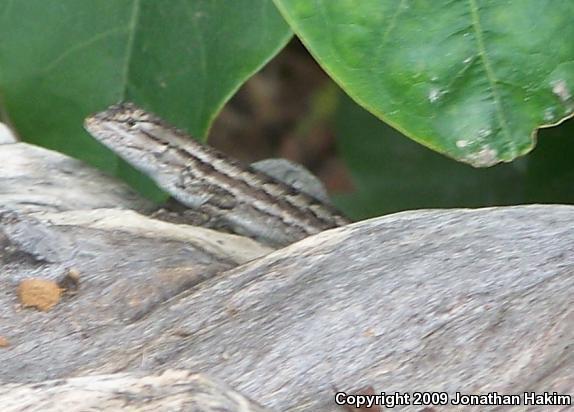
[(61, 61), (292, 109)]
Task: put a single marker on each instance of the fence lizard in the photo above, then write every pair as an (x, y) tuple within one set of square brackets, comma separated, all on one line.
[(242, 198)]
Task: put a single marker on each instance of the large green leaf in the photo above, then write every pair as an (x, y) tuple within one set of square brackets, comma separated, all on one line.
[(60, 60), (472, 79), (391, 173)]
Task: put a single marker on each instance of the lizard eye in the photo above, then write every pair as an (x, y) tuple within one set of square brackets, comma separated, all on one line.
[(131, 122)]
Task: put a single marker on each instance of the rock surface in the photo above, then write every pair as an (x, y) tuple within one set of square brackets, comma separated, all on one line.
[(37, 179), (166, 392), (470, 301)]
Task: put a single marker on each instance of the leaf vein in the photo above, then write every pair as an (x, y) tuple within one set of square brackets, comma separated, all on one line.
[(78, 47), (203, 62), (130, 44), (490, 75)]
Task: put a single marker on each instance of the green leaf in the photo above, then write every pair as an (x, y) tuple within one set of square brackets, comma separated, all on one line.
[(183, 59), (471, 79), (391, 173)]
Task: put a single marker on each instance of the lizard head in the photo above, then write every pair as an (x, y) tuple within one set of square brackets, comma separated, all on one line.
[(130, 132), (125, 113)]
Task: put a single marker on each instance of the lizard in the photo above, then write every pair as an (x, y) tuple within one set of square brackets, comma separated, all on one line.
[(240, 197)]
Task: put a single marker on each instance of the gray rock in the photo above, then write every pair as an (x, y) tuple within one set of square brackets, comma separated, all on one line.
[(295, 175), (166, 392), (470, 301), (37, 179), (6, 134)]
